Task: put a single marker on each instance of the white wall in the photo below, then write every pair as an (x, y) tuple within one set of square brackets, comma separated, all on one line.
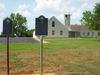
[(58, 27), (91, 34)]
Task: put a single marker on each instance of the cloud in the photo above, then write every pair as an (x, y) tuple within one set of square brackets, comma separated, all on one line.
[(60, 7), (2, 9), (78, 13), (51, 6), (2, 14), (23, 9)]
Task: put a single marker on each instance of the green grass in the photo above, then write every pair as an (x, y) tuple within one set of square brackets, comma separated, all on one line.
[(84, 52), (20, 46), (57, 44), (72, 43), (16, 60)]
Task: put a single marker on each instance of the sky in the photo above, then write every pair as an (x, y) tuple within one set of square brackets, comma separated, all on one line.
[(32, 9)]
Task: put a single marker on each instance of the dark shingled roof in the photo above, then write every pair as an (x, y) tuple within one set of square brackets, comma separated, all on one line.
[(81, 27)]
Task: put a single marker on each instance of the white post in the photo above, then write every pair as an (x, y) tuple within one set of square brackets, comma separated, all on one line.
[(41, 55)]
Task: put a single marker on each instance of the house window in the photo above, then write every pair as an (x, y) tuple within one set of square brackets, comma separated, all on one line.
[(88, 33), (98, 33), (53, 32), (83, 33), (92, 33), (53, 24), (61, 32)]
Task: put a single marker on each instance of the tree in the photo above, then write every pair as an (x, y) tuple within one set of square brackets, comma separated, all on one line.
[(91, 19), (29, 33), (19, 24)]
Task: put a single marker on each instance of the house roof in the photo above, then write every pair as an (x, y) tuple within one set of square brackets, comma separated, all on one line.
[(81, 28), (53, 17)]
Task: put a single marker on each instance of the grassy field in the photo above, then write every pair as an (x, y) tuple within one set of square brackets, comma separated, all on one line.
[(77, 56)]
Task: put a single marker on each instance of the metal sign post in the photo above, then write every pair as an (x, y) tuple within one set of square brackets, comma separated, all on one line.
[(7, 31), (41, 55), (8, 54), (41, 30)]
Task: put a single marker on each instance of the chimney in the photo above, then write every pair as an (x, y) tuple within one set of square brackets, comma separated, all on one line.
[(67, 20)]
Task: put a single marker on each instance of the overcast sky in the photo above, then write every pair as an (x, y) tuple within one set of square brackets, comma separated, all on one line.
[(34, 8)]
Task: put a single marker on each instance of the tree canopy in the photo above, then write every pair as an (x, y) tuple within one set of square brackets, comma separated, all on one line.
[(91, 19), (19, 24)]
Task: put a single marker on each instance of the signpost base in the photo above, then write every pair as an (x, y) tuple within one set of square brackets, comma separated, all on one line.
[(7, 54), (41, 55)]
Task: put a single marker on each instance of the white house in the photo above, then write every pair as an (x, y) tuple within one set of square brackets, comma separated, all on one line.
[(57, 29)]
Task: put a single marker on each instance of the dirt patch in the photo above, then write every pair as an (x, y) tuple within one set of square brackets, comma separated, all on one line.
[(27, 62)]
